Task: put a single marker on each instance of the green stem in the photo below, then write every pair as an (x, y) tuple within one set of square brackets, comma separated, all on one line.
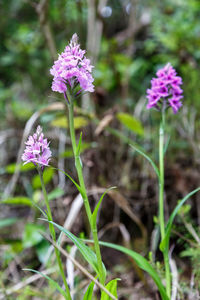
[(161, 205), (78, 166), (78, 161), (98, 252), (161, 182), (53, 235)]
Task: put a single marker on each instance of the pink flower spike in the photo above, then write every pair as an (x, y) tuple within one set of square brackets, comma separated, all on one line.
[(165, 88), (72, 67), (37, 149)]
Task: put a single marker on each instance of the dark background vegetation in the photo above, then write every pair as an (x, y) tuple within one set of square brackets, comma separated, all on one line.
[(127, 41)]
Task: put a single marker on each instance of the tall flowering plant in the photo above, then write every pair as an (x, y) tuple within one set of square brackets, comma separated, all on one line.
[(165, 93), (72, 76)]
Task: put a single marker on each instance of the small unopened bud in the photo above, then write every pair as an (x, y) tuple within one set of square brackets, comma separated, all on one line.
[(74, 40)]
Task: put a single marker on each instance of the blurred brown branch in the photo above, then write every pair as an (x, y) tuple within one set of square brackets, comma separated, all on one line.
[(42, 11), (94, 28), (136, 22)]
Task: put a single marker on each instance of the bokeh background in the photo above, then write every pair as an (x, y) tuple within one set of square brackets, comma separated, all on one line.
[(127, 41)]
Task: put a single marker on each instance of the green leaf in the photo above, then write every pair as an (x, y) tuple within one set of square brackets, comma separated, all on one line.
[(54, 283), (62, 122), (89, 292), (8, 222), (20, 200), (80, 122), (74, 182), (143, 264), (148, 158), (34, 203), (164, 245), (16, 246), (191, 252), (184, 210), (112, 288), (94, 215), (131, 123), (56, 193), (94, 220), (47, 175), (10, 169), (31, 235), (87, 253)]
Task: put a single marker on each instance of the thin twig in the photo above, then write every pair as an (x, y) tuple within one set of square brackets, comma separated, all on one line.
[(42, 11)]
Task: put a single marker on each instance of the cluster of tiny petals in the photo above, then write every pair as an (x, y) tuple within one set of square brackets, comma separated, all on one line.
[(37, 149), (166, 86), (72, 68)]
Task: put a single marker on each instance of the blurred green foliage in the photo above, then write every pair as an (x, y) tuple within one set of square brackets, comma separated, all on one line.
[(176, 33), (173, 34)]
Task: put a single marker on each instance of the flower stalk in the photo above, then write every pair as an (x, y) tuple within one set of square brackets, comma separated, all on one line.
[(165, 92), (53, 235), (72, 76), (79, 170), (161, 203)]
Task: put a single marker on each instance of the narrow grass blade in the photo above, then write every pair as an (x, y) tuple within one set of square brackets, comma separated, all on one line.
[(94, 215), (164, 245), (54, 283), (73, 181), (87, 253), (143, 264), (148, 158), (89, 292)]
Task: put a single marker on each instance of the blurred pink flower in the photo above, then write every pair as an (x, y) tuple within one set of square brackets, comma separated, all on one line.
[(165, 88)]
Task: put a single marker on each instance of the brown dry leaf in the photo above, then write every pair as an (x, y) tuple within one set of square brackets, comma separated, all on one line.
[(103, 123), (53, 106)]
